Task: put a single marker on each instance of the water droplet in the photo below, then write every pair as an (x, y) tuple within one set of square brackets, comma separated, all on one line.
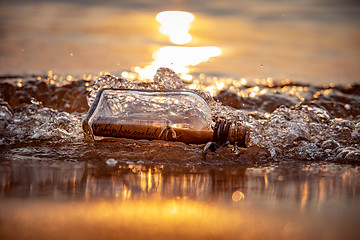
[(111, 162), (330, 144), (238, 196)]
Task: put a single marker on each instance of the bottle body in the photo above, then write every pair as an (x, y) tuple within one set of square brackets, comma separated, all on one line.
[(172, 115)]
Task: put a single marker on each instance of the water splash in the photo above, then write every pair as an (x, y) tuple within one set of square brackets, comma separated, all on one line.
[(286, 120), (303, 133), (36, 122), (164, 79)]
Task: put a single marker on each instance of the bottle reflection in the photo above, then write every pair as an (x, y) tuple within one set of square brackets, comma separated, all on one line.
[(132, 181)]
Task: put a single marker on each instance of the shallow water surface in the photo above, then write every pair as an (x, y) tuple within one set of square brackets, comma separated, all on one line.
[(59, 199)]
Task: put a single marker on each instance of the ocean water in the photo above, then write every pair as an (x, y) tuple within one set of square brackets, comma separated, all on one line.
[(308, 41), (288, 70)]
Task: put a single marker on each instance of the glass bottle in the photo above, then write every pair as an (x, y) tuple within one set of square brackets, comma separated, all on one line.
[(171, 115)]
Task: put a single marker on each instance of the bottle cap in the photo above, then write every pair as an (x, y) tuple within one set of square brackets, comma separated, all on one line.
[(235, 133), (239, 135)]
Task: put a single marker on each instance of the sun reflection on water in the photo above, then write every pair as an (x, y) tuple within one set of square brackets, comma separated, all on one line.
[(176, 24)]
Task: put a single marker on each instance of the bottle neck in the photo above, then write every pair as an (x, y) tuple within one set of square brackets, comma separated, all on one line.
[(235, 133)]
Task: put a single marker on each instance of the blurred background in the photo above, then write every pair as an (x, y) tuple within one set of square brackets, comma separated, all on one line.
[(310, 41)]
